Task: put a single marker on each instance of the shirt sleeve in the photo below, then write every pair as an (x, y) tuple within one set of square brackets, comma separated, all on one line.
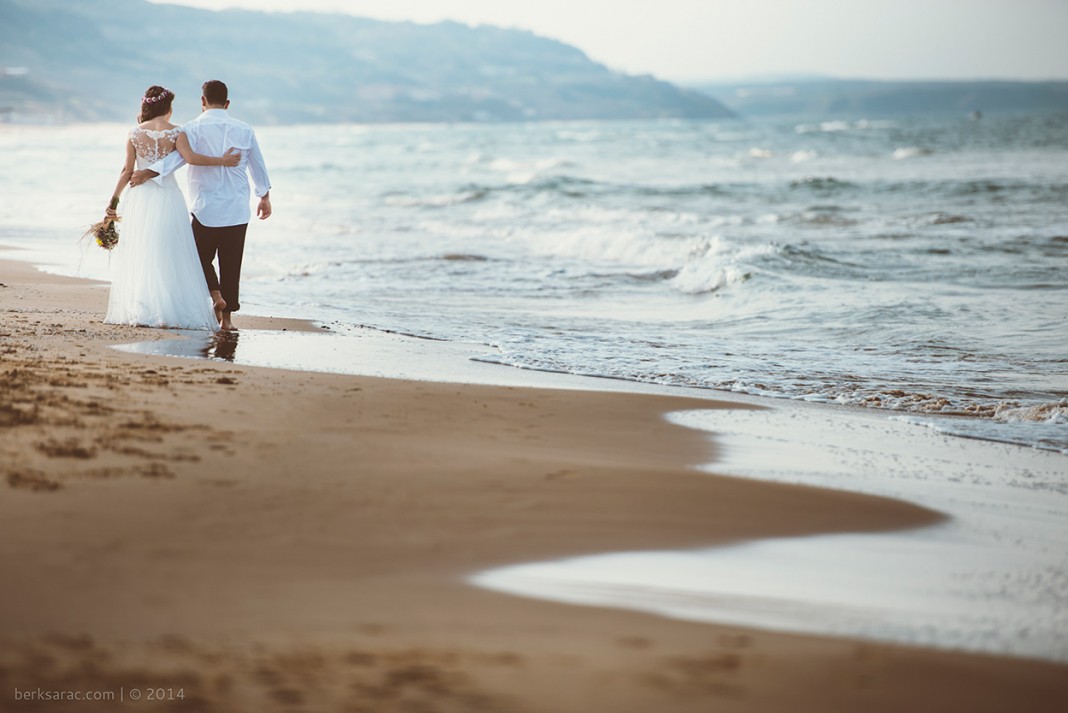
[(258, 169), (167, 165)]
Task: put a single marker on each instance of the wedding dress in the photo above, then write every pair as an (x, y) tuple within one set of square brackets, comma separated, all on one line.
[(157, 278)]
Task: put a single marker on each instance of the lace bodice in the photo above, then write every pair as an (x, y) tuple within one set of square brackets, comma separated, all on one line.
[(152, 145)]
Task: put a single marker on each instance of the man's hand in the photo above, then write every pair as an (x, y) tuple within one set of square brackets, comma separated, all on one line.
[(141, 176), (263, 210)]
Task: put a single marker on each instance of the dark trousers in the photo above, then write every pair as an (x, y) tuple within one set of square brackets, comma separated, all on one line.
[(229, 244)]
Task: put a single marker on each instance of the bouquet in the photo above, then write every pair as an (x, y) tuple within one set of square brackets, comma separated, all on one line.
[(104, 232)]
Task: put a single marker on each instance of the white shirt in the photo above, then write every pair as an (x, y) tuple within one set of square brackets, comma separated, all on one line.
[(220, 193)]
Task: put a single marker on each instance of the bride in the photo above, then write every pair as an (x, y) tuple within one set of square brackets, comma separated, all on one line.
[(158, 280)]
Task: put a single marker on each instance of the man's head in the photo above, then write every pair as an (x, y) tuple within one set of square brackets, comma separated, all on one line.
[(214, 95)]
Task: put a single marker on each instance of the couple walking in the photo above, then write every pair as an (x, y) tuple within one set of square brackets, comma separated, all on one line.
[(164, 275)]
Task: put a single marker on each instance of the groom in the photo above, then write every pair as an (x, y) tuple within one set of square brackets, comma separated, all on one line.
[(220, 194)]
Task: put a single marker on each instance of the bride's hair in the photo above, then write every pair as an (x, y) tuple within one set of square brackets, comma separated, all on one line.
[(156, 102)]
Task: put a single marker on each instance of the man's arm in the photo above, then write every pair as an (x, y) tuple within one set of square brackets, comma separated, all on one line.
[(167, 165), (257, 168)]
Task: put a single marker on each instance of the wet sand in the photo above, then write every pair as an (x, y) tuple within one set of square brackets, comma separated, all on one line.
[(269, 540)]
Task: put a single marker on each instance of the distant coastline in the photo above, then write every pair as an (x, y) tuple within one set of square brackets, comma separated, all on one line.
[(63, 62), (854, 97)]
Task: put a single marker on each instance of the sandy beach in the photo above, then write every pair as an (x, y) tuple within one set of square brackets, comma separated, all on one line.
[(271, 540)]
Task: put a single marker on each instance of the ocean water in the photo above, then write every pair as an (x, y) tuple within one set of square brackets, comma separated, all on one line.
[(907, 264)]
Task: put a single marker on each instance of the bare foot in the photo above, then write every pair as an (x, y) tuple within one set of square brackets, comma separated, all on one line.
[(218, 304), (225, 324)]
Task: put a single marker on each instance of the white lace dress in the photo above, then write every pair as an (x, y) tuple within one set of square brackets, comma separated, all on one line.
[(157, 280)]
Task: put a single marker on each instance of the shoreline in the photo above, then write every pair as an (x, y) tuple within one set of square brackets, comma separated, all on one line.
[(306, 536), (988, 578)]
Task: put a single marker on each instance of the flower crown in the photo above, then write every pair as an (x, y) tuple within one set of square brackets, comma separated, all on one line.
[(150, 100)]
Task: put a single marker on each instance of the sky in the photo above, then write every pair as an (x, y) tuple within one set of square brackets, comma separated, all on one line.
[(693, 40)]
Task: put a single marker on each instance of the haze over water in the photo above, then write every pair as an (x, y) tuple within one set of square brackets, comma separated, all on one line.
[(896, 263)]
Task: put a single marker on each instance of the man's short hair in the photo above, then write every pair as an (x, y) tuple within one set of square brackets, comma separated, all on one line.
[(215, 92)]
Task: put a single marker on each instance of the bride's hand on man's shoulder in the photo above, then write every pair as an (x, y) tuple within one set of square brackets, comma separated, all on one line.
[(232, 157)]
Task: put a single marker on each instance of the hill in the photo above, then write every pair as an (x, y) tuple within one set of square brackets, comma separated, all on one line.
[(92, 59)]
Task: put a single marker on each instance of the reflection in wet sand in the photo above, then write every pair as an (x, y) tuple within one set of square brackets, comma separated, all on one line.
[(222, 345)]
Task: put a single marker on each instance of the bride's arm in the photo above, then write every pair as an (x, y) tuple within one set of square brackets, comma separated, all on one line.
[(231, 158), (124, 175)]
